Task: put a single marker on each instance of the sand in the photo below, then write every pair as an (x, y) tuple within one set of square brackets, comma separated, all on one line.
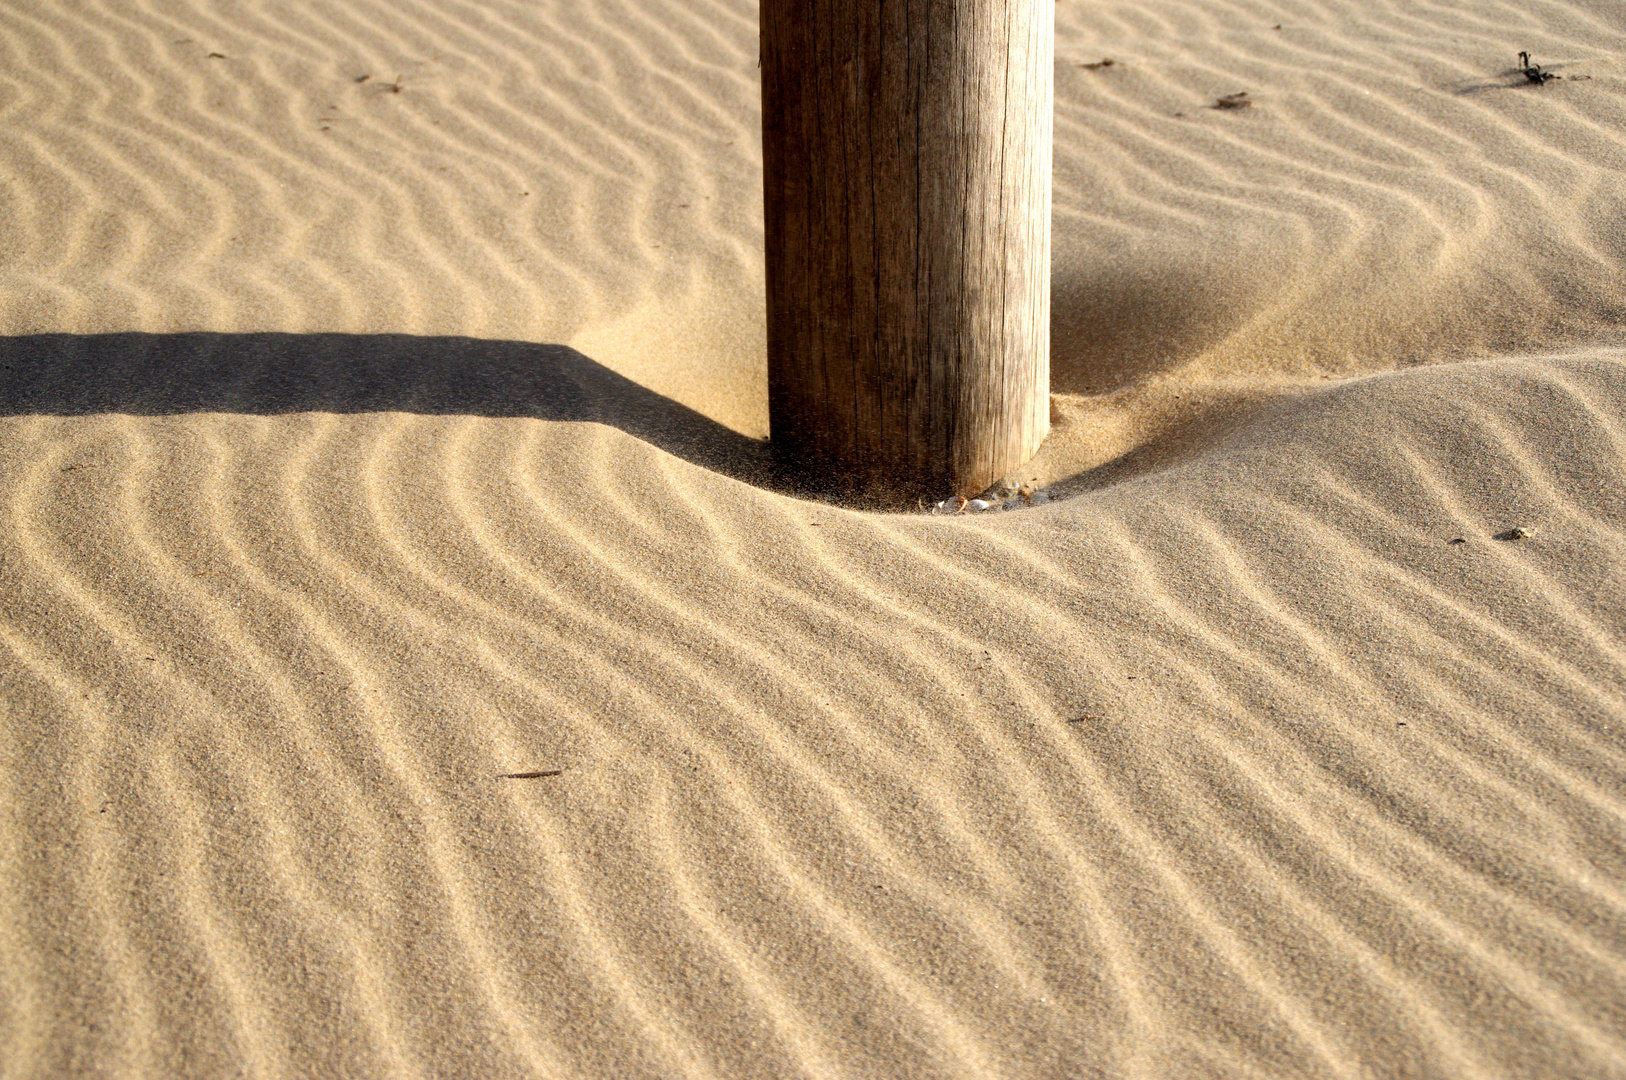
[(408, 667)]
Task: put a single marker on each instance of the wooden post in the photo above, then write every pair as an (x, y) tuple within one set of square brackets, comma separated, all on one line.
[(906, 148)]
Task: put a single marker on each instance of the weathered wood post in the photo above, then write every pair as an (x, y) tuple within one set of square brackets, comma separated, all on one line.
[(906, 148)]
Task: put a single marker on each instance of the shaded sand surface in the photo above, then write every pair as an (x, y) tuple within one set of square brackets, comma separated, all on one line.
[(408, 669)]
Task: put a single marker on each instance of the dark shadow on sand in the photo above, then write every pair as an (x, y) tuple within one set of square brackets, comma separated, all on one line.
[(1115, 325), (1514, 79), (272, 374)]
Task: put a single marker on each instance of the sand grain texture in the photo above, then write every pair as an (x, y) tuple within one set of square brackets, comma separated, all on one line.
[(408, 667)]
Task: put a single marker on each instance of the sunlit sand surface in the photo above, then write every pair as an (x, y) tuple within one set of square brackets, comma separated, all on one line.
[(409, 667)]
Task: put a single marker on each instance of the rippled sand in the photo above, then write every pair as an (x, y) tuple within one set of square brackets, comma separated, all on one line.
[(407, 666)]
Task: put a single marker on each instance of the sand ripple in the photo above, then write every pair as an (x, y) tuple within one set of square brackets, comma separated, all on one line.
[(511, 171), (409, 670), (1237, 767), (1395, 192)]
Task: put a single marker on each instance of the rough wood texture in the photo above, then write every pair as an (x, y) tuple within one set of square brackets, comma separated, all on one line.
[(907, 159)]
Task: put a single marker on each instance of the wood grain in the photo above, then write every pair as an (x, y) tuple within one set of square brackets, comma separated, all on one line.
[(906, 156)]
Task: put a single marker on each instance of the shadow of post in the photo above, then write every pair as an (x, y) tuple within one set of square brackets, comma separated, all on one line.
[(271, 374), (1118, 324)]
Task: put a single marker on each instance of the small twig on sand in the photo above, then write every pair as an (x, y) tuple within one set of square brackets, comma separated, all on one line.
[(1533, 72)]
